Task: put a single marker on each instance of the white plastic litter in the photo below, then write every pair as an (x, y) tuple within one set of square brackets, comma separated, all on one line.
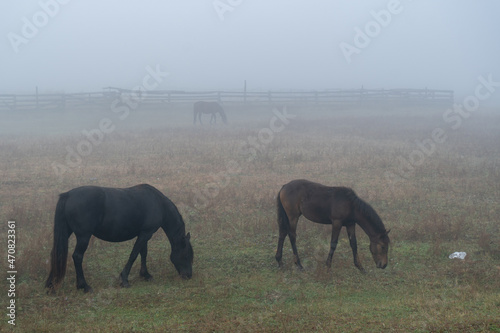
[(457, 255)]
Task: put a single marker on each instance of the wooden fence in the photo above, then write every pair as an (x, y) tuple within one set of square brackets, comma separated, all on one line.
[(160, 98)]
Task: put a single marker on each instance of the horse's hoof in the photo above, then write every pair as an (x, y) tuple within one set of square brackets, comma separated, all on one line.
[(86, 288)]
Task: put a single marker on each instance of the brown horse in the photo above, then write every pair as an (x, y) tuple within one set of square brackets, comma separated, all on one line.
[(211, 108), (338, 206)]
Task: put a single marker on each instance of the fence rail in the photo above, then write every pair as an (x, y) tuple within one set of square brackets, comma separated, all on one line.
[(160, 97)]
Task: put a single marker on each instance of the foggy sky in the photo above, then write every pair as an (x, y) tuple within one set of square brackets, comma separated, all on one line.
[(278, 44)]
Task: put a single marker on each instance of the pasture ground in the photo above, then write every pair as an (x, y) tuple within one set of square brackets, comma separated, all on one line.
[(436, 197)]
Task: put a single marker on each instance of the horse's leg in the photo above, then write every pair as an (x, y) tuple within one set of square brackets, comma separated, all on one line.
[(142, 240), (82, 242), (351, 232), (336, 227), (281, 240), (292, 234), (144, 270)]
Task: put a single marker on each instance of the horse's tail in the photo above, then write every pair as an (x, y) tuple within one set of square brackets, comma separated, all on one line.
[(59, 253), (283, 222)]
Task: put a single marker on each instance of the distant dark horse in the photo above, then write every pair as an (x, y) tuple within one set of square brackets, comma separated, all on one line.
[(208, 108), (116, 215), (338, 206)]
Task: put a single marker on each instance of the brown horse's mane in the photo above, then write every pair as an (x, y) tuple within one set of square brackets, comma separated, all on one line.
[(371, 215)]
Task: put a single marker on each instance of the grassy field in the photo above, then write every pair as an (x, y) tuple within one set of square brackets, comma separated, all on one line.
[(437, 194)]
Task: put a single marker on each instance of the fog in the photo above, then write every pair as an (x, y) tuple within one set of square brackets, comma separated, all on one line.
[(75, 46)]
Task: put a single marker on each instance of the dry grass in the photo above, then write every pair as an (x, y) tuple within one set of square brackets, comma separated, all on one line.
[(227, 196)]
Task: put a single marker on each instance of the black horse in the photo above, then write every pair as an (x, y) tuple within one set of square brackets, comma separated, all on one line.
[(338, 206), (116, 215), (212, 108)]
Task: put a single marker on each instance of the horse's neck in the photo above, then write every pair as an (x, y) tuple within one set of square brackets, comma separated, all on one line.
[(173, 226), (366, 225)]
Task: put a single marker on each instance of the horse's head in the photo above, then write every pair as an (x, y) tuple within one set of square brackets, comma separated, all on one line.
[(182, 257), (379, 246)]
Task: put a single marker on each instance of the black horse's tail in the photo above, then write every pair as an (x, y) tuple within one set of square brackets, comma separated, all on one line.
[(59, 253), (283, 221)]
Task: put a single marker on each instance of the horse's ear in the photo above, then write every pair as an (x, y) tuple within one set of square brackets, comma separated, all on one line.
[(188, 236), (386, 234)]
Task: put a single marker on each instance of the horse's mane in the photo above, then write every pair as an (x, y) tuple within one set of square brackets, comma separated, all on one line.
[(367, 210), (176, 229)]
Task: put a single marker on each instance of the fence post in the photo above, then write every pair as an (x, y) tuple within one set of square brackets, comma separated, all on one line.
[(245, 93), (37, 104)]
